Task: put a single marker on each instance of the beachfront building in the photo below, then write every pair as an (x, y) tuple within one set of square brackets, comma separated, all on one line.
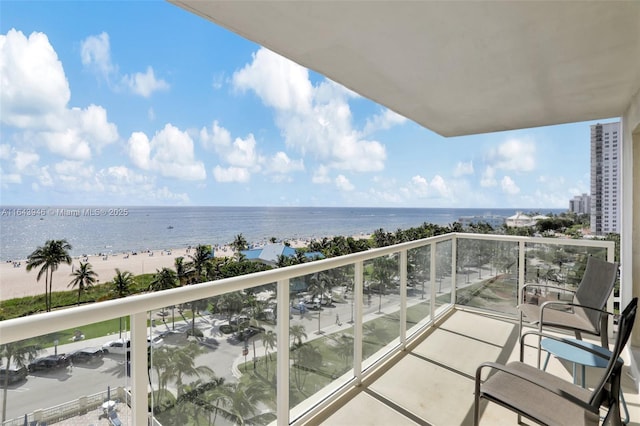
[(580, 204), (606, 145), (456, 68), (519, 220)]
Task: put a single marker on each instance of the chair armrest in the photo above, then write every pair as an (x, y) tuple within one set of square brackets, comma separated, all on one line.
[(553, 287), (533, 380), (547, 287), (550, 303)]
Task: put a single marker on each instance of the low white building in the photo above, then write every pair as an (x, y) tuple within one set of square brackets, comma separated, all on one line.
[(519, 220)]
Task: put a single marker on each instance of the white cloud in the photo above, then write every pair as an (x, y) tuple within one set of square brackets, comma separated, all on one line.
[(5, 151), (488, 178), (170, 153), (282, 164), (68, 144), (95, 53), (514, 154), (420, 186), (231, 174), (314, 120), (25, 159), (383, 121), (439, 185), (509, 186), (279, 82), (28, 99), (37, 106), (243, 153), (463, 169), (144, 84), (343, 184), (321, 175)]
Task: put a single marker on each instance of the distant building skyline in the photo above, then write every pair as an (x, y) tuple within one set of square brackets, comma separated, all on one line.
[(580, 204), (605, 178)]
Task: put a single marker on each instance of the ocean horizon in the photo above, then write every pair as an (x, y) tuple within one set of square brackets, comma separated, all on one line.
[(93, 230)]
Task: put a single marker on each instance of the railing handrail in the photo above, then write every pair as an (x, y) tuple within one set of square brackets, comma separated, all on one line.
[(22, 328)]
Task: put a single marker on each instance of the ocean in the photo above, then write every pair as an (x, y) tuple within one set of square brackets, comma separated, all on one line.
[(93, 230)]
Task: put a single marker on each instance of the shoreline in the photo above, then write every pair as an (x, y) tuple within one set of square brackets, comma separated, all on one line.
[(16, 282)]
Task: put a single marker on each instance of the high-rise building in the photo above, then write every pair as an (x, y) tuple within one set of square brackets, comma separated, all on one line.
[(580, 204), (606, 141)]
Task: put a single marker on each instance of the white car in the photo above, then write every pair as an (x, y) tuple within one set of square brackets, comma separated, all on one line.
[(120, 346)]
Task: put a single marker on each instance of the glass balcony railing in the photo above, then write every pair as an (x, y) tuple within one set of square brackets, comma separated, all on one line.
[(275, 346)]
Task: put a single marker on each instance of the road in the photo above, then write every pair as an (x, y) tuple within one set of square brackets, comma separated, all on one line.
[(57, 387)]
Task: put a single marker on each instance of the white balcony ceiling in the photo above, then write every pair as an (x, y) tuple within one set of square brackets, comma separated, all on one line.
[(457, 67)]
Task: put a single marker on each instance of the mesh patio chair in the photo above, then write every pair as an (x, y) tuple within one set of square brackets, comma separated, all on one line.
[(583, 314), (549, 400)]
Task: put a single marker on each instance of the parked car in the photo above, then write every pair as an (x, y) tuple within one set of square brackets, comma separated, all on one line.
[(249, 332), (16, 374), (48, 363), (121, 346), (86, 355), (239, 320)]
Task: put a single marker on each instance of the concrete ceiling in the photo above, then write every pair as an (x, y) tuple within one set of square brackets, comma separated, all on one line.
[(457, 67)]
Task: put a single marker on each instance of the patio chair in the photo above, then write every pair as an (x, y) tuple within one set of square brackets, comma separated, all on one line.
[(584, 313), (547, 399)]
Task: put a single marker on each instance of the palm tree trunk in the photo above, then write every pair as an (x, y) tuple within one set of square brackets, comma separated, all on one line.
[(50, 289)]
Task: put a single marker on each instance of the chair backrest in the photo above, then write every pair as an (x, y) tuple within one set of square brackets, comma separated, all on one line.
[(596, 287), (625, 325)]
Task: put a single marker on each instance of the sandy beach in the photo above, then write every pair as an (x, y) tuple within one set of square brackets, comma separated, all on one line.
[(15, 281)]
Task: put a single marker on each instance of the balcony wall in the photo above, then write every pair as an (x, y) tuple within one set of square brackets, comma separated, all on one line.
[(292, 355)]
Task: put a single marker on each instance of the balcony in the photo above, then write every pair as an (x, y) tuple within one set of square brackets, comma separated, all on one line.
[(396, 340)]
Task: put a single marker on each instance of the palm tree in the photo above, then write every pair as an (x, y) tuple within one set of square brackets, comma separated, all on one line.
[(181, 270), (297, 332), (48, 257), (18, 354), (269, 340), (182, 363), (122, 283), (199, 258), (163, 280), (239, 244), (238, 401), (84, 277)]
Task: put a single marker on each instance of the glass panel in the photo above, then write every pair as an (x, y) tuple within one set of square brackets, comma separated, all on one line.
[(320, 334), (213, 359), (443, 273), (418, 286), (487, 274), (67, 376), (381, 322), (558, 266)]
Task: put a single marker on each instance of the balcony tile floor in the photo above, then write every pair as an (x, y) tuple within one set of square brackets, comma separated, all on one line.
[(433, 381)]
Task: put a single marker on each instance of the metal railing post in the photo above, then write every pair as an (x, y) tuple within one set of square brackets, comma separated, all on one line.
[(282, 382), (403, 298), (357, 326), (139, 376)]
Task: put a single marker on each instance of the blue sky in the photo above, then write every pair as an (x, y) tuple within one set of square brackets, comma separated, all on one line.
[(142, 103)]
